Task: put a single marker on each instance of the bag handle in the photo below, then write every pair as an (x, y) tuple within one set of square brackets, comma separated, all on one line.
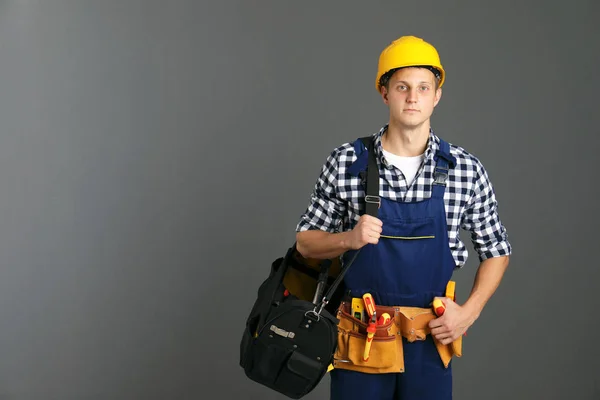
[(372, 203)]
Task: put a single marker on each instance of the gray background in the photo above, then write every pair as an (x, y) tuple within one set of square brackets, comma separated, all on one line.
[(155, 158)]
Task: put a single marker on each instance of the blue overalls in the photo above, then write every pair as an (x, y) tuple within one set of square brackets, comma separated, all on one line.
[(410, 265)]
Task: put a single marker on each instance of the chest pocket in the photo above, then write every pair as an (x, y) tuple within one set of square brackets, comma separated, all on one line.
[(423, 228)]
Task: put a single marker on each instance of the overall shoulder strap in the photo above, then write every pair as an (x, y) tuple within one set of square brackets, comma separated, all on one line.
[(443, 162)]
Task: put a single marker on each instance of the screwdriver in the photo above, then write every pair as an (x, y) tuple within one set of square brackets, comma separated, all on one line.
[(371, 329), (369, 305)]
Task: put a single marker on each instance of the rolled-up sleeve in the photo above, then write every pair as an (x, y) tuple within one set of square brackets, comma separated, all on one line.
[(325, 209), (482, 221)]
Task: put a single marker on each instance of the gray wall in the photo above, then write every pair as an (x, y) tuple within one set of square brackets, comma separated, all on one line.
[(155, 158)]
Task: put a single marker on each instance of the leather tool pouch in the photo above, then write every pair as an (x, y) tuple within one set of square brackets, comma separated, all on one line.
[(414, 323), (386, 353)]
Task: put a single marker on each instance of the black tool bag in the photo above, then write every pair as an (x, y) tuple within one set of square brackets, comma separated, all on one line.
[(289, 341)]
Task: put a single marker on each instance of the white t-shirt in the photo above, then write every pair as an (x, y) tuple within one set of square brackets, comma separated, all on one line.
[(408, 165)]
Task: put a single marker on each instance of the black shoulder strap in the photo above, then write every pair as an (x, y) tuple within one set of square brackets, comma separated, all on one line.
[(372, 199), (372, 203)]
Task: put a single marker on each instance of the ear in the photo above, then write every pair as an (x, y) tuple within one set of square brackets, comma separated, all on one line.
[(438, 96), (384, 95)]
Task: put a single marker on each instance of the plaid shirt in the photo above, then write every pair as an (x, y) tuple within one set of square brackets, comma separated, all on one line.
[(336, 202)]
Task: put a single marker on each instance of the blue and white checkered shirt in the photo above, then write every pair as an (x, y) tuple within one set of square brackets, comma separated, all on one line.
[(336, 203)]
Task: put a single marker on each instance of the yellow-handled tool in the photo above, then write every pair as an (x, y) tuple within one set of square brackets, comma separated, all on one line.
[(383, 319), (450, 290), (438, 307), (369, 305), (370, 335), (371, 329), (358, 309)]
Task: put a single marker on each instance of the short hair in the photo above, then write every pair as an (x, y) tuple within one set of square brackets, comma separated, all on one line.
[(385, 78)]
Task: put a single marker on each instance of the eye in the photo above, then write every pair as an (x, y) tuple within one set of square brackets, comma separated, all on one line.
[(401, 87), (424, 88)]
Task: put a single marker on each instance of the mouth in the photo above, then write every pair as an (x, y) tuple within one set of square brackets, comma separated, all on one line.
[(410, 110)]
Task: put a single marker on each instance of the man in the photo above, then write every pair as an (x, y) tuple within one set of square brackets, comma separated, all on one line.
[(409, 251)]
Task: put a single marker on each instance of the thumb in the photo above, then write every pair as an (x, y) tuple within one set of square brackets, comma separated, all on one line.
[(446, 301)]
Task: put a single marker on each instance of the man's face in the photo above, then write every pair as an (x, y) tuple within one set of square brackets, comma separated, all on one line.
[(411, 96)]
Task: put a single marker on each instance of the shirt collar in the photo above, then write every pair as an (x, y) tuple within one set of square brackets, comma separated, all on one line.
[(433, 144)]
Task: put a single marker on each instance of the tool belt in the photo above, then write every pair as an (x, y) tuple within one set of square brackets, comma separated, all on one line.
[(387, 352)]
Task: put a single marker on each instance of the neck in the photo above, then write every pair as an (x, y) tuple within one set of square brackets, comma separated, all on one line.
[(406, 142)]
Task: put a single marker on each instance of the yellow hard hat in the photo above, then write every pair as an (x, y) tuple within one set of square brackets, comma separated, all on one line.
[(408, 51)]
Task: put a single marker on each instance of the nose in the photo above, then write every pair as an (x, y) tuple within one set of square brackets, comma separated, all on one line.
[(412, 96)]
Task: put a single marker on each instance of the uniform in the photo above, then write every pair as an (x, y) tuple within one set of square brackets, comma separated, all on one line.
[(419, 247)]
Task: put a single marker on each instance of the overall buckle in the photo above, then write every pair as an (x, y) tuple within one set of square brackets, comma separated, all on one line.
[(373, 200), (440, 177)]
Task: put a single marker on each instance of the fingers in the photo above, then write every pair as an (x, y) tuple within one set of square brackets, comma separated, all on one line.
[(440, 328), (446, 300), (371, 220), (443, 335), (367, 231), (450, 326), (437, 328), (445, 341), (373, 240), (372, 227), (439, 322), (369, 235)]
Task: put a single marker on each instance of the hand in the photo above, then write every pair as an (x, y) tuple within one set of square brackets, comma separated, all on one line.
[(367, 230), (450, 326)]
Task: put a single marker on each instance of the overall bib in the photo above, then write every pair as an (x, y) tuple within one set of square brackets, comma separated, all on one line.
[(411, 264)]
